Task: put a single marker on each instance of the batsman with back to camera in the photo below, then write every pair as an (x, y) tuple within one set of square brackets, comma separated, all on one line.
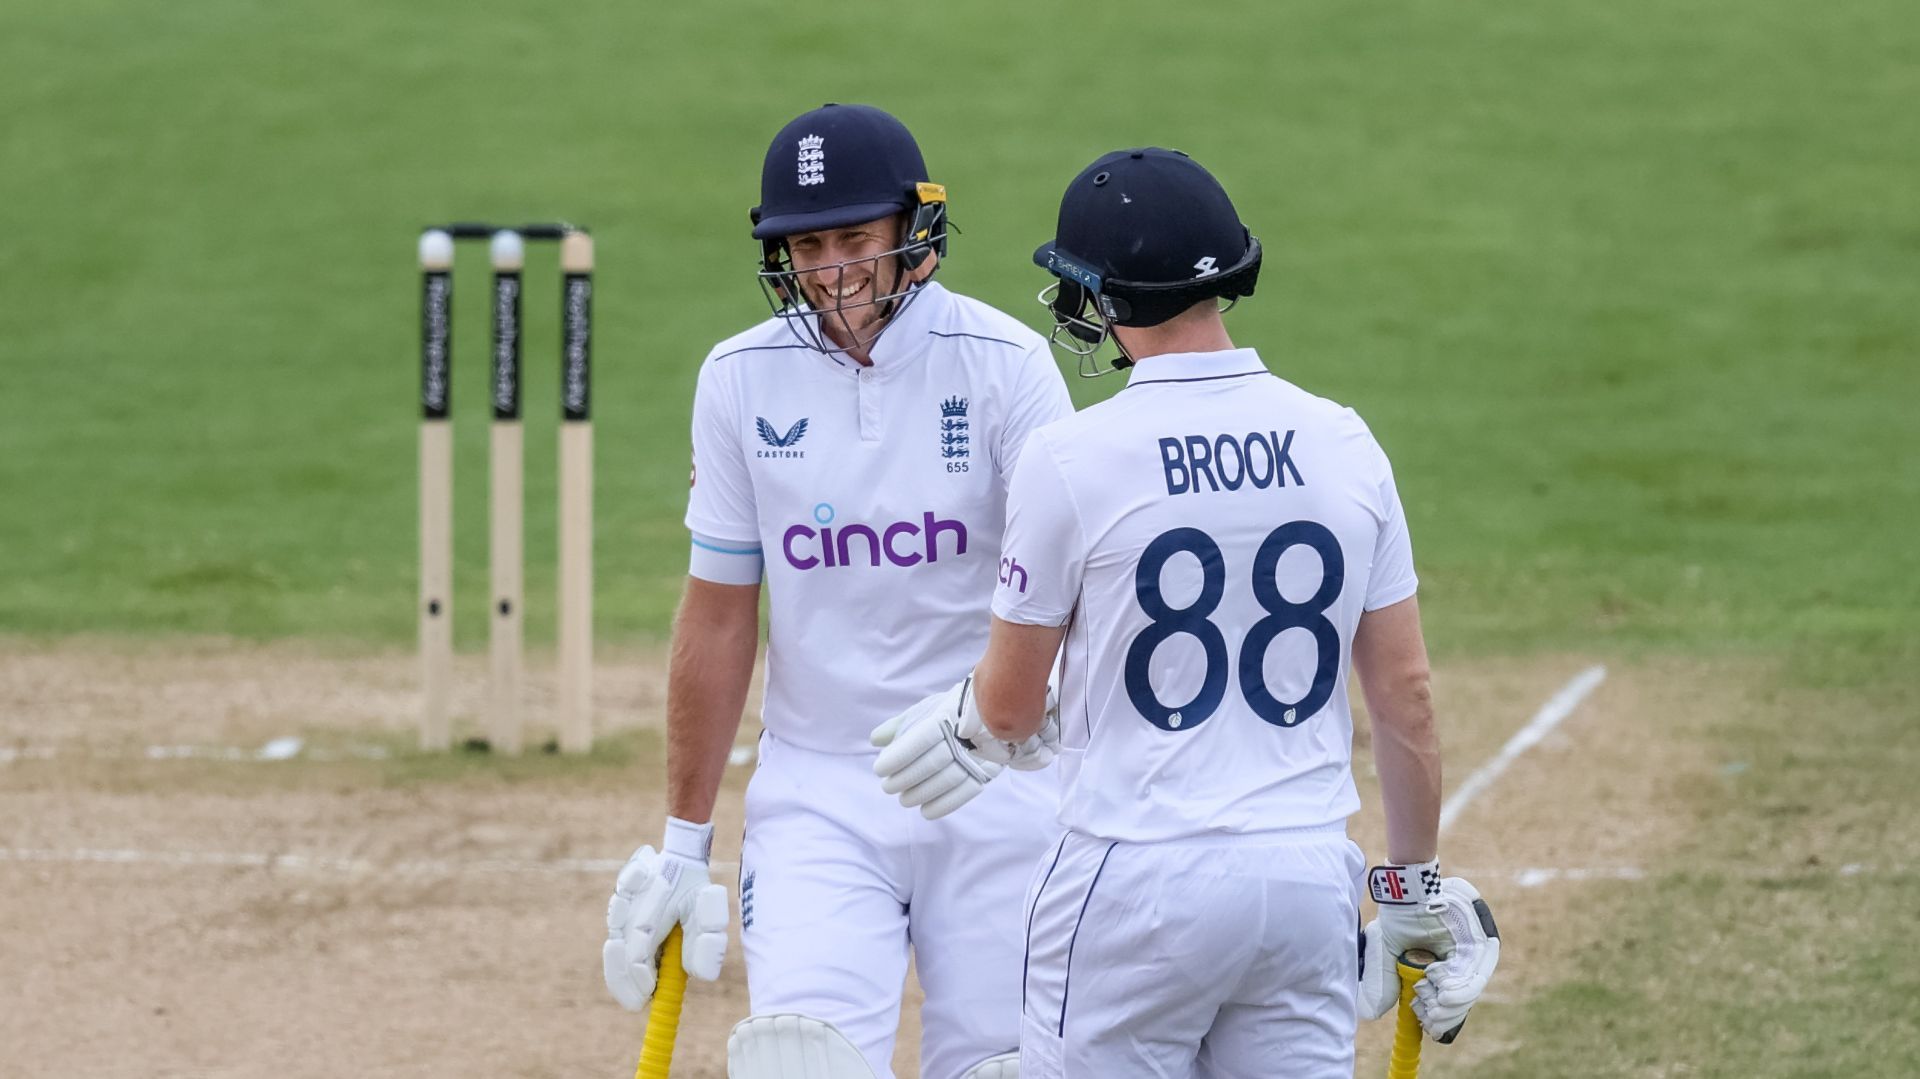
[(1212, 545), (853, 451)]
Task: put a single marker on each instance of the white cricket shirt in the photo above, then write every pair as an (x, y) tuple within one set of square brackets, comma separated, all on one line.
[(876, 497), (1213, 533)]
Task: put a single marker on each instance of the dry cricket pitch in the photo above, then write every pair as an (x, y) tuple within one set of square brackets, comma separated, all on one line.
[(167, 913)]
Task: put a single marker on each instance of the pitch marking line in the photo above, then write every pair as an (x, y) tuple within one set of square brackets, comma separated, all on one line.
[(1558, 707), (1530, 877), (319, 863), (286, 748)]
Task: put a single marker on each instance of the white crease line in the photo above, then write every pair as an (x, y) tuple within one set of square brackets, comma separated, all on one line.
[(1541, 875), (1534, 878), (312, 863), (1558, 707), (286, 748), (1527, 877)]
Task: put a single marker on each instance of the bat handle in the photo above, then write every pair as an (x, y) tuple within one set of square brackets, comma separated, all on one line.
[(1405, 1061), (663, 1015)]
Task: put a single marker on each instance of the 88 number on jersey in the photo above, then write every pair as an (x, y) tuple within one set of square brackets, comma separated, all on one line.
[(1249, 660)]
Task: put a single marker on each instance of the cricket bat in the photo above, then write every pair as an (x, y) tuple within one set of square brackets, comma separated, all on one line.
[(663, 1015), (1405, 1061)]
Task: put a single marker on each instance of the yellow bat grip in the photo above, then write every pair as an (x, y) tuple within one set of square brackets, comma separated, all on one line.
[(1405, 1061), (663, 1016)]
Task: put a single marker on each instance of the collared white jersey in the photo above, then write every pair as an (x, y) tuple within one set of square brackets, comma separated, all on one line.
[(1211, 536), (876, 496)]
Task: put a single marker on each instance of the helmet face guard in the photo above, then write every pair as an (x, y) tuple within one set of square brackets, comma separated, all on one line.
[(816, 328), (1085, 306)]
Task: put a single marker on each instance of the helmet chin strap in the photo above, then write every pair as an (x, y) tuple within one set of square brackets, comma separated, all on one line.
[(885, 309), (895, 297), (817, 327)]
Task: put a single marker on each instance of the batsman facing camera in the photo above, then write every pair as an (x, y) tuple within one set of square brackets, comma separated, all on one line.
[(851, 455), (846, 237)]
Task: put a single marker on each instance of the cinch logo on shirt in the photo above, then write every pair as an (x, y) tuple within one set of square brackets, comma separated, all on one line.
[(903, 543), (1228, 463), (1013, 574)]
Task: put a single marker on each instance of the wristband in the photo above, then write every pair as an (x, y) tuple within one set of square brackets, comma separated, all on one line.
[(1404, 885), (685, 839)]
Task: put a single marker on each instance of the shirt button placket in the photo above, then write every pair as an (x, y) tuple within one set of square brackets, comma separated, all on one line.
[(869, 406)]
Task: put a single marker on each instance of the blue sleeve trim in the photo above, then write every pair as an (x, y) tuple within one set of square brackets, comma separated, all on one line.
[(725, 550)]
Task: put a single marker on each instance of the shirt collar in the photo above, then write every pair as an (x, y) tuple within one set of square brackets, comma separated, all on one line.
[(1196, 366), (910, 330), (904, 338)]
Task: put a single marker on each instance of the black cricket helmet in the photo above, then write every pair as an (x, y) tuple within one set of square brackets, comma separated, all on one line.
[(836, 166), (1143, 236)]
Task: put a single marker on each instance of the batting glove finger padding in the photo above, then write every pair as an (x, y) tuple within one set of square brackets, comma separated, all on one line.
[(1379, 979), (704, 944), (883, 735), (948, 780), (654, 892), (901, 768), (1450, 988), (951, 800), (955, 781), (627, 959), (925, 763)]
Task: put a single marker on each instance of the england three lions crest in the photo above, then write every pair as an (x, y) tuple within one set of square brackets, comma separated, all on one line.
[(953, 428), (812, 161)]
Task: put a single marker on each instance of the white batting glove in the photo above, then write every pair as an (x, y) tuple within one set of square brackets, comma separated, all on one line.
[(655, 891), (939, 755), (1031, 755), (1452, 986), (1445, 916)]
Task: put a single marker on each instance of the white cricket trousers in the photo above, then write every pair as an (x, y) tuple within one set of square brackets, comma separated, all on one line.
[(837, 878), (1215, 957)]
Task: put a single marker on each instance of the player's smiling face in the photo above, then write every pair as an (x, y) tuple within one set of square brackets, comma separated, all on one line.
[(842, 274)]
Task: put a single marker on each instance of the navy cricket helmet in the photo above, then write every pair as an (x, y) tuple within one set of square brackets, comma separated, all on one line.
[(836, 166), (1143, 235)]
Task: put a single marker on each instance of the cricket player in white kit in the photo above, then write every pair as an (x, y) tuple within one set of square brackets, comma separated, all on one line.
[(1206, 552), (853, 452)]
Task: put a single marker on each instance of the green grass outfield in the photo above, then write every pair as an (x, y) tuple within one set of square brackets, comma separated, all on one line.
[(1626, 289)]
